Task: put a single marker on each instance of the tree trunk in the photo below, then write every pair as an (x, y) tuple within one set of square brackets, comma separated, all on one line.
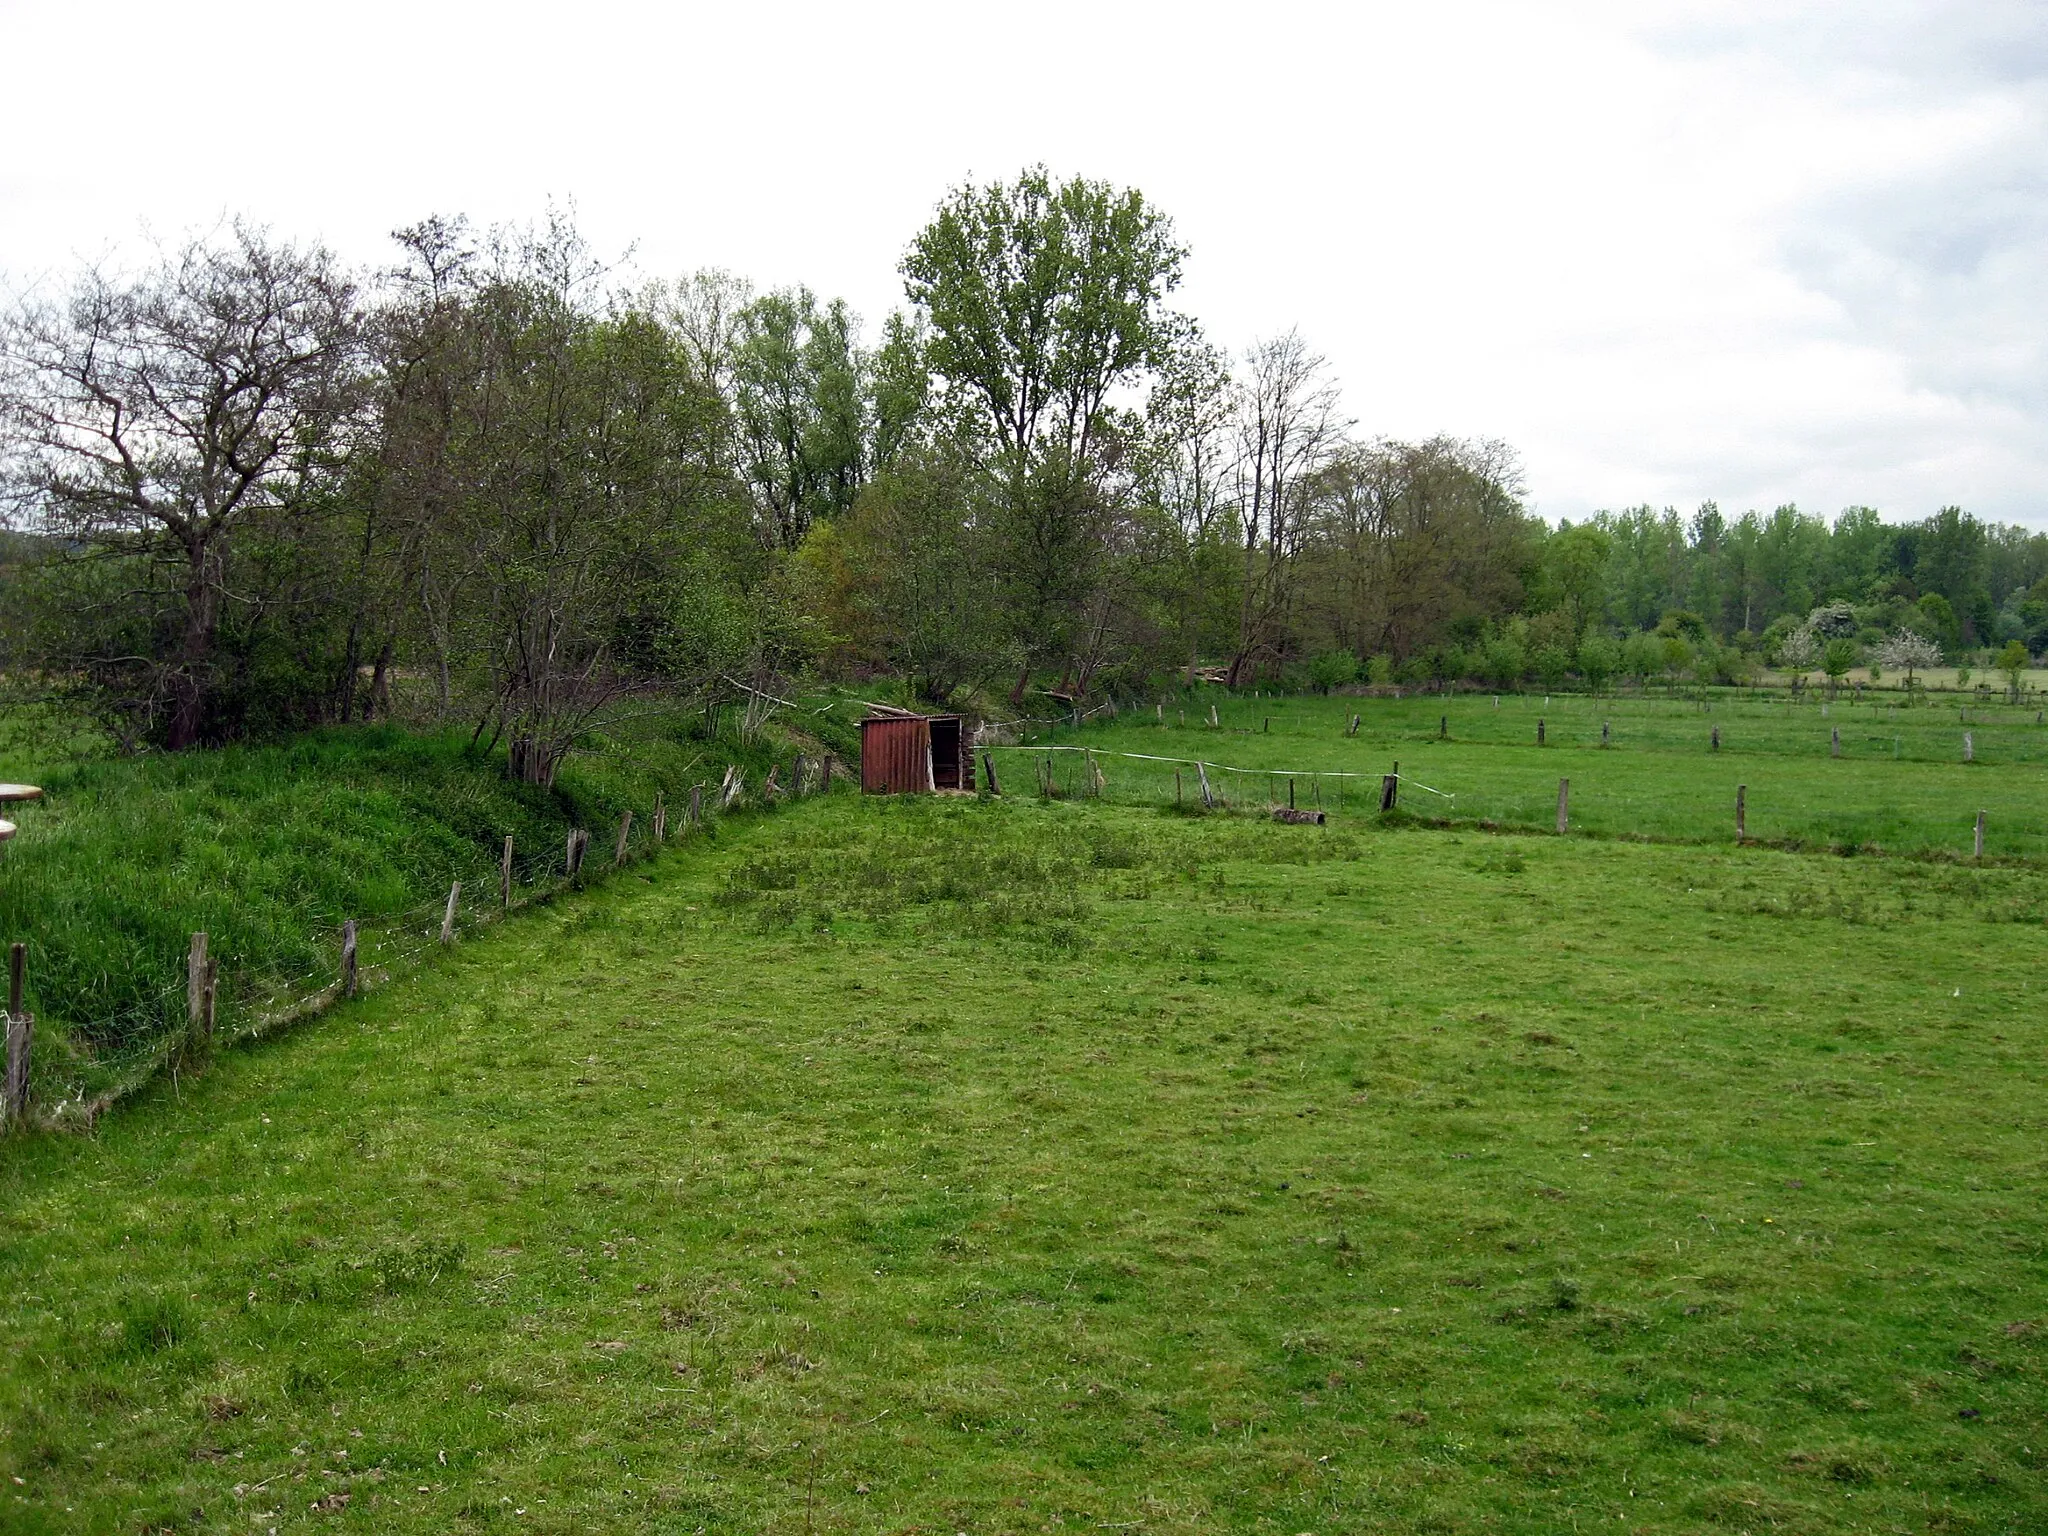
[(378, 705), (188, 686)]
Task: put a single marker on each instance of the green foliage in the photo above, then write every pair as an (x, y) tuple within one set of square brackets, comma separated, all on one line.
[(1333, 669), (1599, 657)]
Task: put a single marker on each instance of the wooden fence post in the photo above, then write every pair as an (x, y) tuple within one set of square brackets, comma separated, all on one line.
[(20, 1031), (1564, 800), (1741, 828), (1390, 791), (1212, 718), (195, 990), (209, 998), (348, 958), (1714, 739), (826, 774), (697, 802), (1267, 728), (1969, 748), (448, 917), (505, 875), (1980, 834), (1539, 730), (988, 766), (1604, 732), (1290, 791), (1208, 799), (661, 816), (625, 828)]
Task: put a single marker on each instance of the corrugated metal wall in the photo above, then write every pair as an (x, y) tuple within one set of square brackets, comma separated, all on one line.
[(895, 756)]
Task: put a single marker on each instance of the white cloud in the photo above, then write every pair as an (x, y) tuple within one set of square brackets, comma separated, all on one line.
[(1758, 253)]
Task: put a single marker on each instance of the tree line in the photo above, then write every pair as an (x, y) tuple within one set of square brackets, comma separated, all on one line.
[(501, 484)]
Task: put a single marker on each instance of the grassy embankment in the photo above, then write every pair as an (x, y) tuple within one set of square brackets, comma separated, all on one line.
[(268, 849), (952, 1166), (1900, 784)]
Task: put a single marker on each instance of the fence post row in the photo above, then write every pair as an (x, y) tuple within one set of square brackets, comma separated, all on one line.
[(20, 1032)]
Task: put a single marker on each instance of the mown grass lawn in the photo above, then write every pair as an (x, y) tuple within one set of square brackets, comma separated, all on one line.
[(1011, 1167)]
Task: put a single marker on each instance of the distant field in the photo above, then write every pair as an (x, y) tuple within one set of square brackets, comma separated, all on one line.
[(946, 1166), (1900, 784)]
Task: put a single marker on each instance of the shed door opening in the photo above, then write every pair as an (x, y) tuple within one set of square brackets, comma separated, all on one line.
[(946, 755)]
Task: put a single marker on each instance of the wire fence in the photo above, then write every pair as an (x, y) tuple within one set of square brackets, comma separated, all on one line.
[(111, 1056), (1144, 778)]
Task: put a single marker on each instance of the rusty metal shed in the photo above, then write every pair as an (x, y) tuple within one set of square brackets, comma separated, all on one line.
[(907, 754)]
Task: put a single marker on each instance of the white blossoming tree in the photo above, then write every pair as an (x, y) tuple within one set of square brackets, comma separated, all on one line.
[(1906, 651)]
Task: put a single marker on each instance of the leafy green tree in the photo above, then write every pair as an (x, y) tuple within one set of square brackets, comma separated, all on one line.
[(1836, 658), (1333, 669), (1044, 297), (1599, 658), (2013, 661), (1938, 616), (1505, 661), (798, 401), (918, 575)]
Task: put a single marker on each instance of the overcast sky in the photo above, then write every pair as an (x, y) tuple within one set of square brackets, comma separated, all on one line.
[(1754, 252)]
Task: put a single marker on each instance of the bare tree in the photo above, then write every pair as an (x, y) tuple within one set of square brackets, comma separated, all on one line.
[(1288, 428), (161, 414)]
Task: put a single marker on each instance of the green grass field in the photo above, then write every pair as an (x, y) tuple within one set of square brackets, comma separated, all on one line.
[(1900, 785), (955, 1166)]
